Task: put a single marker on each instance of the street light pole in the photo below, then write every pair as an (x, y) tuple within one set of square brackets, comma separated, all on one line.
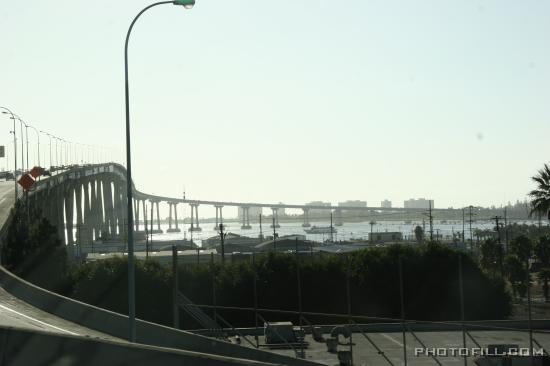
[(64, 156), (56, 155), (131, 276), (22, 143), (50, 137), (37, 143), (27, 138), (14, 150)]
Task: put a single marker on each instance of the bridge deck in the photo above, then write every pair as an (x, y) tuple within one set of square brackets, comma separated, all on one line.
[(16, 313)]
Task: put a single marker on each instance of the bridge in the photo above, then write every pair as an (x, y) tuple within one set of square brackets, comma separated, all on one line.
[(87, 203)]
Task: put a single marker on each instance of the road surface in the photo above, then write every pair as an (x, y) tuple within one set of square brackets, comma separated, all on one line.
[(16, 313)]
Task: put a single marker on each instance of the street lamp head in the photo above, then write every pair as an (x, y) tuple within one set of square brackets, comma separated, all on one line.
[(4, 112), (187, 4)]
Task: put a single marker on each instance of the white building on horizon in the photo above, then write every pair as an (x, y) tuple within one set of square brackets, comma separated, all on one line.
[(418, 203)]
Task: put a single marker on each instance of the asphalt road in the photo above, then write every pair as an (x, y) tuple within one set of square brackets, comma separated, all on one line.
[(16, 313), (6, 200)]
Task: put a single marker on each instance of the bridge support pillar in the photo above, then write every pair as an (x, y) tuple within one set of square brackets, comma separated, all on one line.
[(176, 217), (119, 208), (170, 228), (169, 216), (94, 210), (246, 218), (68, 199), (69, 207), (144, 215), (136, 214), (338, 219), (194, 217), (306, 218), (109, 207), (219, 217), (275, 220), (87, 229), (159, 230), (99, 210), (60, 219), (79, 221)]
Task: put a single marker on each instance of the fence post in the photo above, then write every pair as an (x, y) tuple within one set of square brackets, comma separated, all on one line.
[(299, 288), (214, 290), (402, 299), (175, 286), (529, 311), (255, 274), (348, 295), (461, 284)]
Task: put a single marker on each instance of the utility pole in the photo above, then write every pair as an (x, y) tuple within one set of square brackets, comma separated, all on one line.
[(471, 233), (371, 225), (222, 237), (505, 230), (274, 235), (151, 231), (463, 237), (261, 234), (431, 220), (175, 287), (146, 231), (331, 232), (500, 259)]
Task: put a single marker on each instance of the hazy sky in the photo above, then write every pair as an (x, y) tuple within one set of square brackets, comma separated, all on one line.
[(292, 100)]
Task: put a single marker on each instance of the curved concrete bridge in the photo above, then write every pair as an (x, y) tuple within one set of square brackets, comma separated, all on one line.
[(96, 195)]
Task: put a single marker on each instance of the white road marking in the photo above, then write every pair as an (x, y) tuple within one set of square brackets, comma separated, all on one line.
[(392, 339), (37, 321)]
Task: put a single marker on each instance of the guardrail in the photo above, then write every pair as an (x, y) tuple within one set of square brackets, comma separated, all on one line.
[(30, 348), (116, 324)]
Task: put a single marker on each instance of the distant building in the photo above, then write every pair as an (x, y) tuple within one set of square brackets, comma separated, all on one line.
[(418, 203), (317, 211), (354, 203), (385, 204)]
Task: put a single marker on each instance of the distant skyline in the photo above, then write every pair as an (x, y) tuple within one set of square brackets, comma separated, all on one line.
[(305, 101)]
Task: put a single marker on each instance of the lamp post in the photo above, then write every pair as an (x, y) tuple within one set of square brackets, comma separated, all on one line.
[(64, 158), (37, 143), (131, 278), (50, 136), (21, 123), (81, 153), (27, 138), (56, 155), (6, 111), (22, 143)]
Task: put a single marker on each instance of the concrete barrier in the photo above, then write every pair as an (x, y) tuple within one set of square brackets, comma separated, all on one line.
[(116, 324), (542, 325), (30, 348)]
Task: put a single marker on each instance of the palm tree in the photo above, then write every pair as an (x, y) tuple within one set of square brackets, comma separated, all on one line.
[(540, 203)]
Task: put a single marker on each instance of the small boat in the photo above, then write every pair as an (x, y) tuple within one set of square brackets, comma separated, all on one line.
[(320, 230)]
